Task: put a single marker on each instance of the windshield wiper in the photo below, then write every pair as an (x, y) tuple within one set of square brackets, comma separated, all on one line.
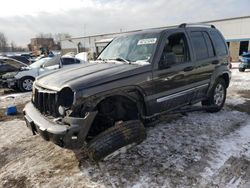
[(124, 60), (120, 59), (102, 60), (115, 59)]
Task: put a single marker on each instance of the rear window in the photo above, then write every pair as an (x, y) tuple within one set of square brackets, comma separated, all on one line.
[(219, 43)]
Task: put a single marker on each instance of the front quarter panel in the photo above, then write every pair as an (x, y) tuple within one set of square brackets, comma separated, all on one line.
[(32, 73)]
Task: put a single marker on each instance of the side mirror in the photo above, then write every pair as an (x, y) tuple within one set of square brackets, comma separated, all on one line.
[(167, 60), (42, 66)]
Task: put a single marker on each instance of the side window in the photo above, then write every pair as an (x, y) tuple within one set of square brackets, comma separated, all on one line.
[(52, 62), (219, 43), (176, 49), (200, 46), (210, 48), (69, 61)]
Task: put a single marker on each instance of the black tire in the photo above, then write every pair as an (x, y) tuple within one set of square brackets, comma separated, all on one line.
[(242, 69), (212, 104), (117, 137), (25, 84)]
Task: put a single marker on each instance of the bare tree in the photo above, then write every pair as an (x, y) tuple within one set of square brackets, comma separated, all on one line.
[(44, 35), (58, 37), (3, 42), (12, 46)]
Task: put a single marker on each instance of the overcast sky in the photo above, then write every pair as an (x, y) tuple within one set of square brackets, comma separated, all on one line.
[(21, 20)]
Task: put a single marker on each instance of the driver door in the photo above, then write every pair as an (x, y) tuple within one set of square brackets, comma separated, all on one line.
[(51, 65), (173, 76)]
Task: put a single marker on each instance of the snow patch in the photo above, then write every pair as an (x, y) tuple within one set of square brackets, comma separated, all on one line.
[(235, 144), (235, 101), (14, 99)]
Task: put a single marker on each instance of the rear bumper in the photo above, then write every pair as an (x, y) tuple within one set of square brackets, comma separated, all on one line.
[(69, 133)]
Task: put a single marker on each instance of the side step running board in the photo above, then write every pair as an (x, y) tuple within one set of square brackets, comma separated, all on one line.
[(181, 111)]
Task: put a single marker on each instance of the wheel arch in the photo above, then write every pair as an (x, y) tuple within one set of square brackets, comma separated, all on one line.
[(226, 77), (220, 72), (134, 95), (130, 96), (19, 81)]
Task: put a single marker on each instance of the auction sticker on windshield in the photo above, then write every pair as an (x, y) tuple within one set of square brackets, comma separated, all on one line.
[(147, 41)]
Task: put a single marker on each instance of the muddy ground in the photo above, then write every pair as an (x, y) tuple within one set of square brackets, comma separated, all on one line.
[(196, 150)]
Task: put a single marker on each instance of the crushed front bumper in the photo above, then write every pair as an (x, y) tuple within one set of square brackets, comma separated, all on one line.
[(9, 82), (70, 133)]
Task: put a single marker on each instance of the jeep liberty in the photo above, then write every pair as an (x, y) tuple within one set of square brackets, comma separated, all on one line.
[(103, 106)]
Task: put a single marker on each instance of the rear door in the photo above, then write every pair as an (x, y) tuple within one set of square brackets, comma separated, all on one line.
[(220, 47), (204, 54), (205, 59)]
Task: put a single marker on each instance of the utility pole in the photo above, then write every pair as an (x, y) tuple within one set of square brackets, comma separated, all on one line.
[(84, 34)]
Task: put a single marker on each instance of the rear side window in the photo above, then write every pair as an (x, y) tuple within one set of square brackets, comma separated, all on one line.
[(200, 46), (219, 43), (210, 49)]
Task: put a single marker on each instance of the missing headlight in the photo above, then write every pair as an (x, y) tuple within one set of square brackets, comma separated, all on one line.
[(66, 97)]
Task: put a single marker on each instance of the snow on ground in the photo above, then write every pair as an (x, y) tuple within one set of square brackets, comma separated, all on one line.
[(236, 145), (14, 99), (196, 150)]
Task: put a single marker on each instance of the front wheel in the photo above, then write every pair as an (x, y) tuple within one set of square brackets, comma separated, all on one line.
[(217, 96), (116, 139), (26, 83)]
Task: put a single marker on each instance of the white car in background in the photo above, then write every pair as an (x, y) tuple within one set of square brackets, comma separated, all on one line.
[(24, 78)]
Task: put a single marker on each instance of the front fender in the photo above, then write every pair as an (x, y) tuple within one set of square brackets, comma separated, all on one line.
[(30, 73), (90, 102)]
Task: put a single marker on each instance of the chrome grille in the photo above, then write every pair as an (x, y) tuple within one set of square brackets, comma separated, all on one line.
[(45, 101)]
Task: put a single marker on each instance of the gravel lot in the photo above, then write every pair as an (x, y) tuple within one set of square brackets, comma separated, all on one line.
[(195, 150)]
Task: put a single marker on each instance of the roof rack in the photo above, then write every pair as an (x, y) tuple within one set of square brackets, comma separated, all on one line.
[(184, 25)]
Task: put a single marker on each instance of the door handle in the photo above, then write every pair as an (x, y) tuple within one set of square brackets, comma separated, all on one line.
[(215, 62), (188, 69)]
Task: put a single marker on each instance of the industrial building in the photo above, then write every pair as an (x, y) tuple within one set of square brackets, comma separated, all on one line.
[(38, 44), (235, 30)]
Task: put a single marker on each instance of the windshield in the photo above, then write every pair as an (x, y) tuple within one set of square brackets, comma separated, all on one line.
[(40, 62), (131, 48)]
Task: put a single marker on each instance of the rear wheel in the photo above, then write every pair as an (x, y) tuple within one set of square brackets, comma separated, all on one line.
[(217, 97), (116, 140), (242, 69), (26, 83)]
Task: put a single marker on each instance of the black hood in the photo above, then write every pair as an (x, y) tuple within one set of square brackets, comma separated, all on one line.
[(88, 75)]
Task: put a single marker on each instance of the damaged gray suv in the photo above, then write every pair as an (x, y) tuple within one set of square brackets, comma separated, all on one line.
[(103, 106)]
